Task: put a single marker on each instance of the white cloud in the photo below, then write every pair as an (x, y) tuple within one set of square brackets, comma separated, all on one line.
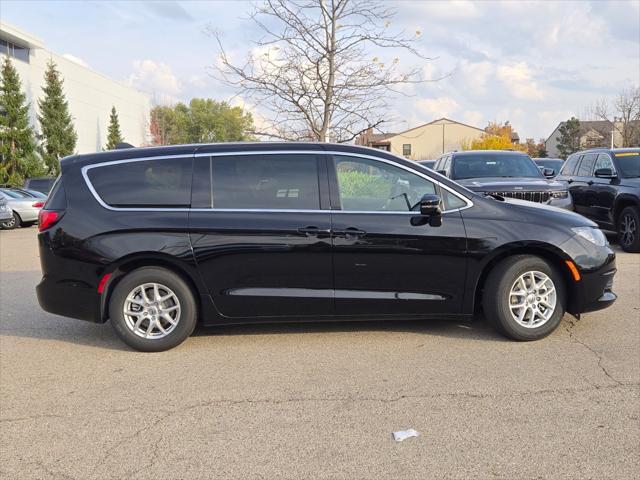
[(474, 118), (475, 76), (451, 9), (518, 79), (433, 108), (154, 77), (75, 59)]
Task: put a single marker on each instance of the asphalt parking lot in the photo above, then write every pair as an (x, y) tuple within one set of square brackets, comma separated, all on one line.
[(316, 401)]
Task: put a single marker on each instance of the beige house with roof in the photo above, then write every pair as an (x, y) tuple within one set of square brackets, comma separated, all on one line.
[(426, 142)]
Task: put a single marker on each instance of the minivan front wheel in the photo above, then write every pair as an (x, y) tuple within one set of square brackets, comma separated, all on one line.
[(524, 296), (153, 309)]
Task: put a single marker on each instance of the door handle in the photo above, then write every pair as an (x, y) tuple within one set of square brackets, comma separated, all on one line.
[(311, 231), (590, 182), (349, 232), (570, 180)]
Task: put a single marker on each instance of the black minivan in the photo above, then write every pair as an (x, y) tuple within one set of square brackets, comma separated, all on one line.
[(160, 239)]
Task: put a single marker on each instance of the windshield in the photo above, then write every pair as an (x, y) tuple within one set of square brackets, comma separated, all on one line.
[(484, 165), (555, 164), (629, 163)]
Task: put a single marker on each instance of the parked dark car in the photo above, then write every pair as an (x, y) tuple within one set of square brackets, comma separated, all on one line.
[(504, 173), (428, 163), (158, 239), (605, 185), (552, 166), (41, 184)]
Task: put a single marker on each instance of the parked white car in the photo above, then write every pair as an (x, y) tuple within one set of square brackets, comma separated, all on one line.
[(5, 211), (24, 209)]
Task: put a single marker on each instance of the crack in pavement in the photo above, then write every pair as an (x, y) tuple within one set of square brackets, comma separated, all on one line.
[(572, 323)]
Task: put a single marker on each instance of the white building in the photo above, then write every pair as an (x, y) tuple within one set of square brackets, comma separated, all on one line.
[(90, 94)]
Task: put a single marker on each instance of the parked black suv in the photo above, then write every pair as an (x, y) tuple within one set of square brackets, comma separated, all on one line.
[(605, 185), (158, 239), (505, 173)]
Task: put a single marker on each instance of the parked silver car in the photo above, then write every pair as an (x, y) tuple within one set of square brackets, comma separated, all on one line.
[(5, 211), (24, 209)]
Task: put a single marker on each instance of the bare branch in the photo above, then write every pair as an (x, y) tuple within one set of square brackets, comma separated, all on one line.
[(318, 68)]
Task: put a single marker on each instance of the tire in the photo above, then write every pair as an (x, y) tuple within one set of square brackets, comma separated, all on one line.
[(150, 338), (497, 296), (629, 229), (15, 222)]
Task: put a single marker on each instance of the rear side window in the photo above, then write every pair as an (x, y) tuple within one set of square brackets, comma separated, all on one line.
[(58, 197), (148, 183), (266, 182), (570, 165), (586, 165)]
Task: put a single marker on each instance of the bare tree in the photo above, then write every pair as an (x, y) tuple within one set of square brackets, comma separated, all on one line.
[(625, 115), (315, 71)]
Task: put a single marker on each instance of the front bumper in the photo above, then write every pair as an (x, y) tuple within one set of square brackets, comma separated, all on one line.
[(594, 290)]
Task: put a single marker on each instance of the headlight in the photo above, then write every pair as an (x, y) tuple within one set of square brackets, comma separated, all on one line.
[(560, 194), (592, 234)]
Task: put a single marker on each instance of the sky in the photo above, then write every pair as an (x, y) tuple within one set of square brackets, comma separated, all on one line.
[(532, 63)]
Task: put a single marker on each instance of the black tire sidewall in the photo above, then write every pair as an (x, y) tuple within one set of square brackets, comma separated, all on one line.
[(496, 300), (188, 308), (635, 246)]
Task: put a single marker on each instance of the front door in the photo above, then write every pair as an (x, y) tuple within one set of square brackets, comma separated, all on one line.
[(383, 264), (260, 237)]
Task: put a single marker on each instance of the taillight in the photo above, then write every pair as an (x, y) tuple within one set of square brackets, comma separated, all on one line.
[(38, 205), (48, 218)]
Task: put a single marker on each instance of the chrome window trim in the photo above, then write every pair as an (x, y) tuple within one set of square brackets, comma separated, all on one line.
[(86, 168)]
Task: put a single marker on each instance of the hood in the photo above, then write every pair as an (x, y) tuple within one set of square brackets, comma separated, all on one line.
[(630, 182), (540, 213), (511, 184)]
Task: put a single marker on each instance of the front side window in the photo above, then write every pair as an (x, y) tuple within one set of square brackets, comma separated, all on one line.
[(157, 183), (603, 161), (406, 149), (278, 181), (372, 186)]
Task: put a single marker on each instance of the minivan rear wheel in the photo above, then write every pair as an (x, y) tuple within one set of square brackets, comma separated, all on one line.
[(153, 309), (524, 297)]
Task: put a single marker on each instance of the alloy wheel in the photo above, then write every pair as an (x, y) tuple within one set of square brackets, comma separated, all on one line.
[(628, 229), (532, 299), (151, 310), (9, 223)]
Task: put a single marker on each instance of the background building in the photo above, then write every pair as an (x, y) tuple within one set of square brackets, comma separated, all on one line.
[(593, 134), (90, 94), (426, 142)]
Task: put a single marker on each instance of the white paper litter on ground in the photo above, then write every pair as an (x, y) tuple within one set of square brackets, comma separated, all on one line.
[(404, 434)]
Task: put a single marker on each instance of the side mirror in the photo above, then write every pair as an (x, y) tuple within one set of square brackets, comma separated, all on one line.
[(430, 211), (549, 172), (604, 173), (442, 172)]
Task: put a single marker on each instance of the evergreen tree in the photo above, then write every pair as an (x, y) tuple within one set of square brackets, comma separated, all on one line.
[(58, 135), (17, 139), (114, 136), (569, 139)]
